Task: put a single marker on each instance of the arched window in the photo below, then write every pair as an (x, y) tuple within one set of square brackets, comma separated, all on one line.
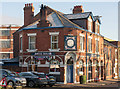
[(81, 68), (89, 65), (89, 70), (81, 65), (96, 68), (54, 65)]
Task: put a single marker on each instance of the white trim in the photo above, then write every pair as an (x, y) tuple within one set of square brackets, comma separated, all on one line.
[(21, 51), (33, 50), (9, 29), (31, 34), (20, 35), (43, 65), (90, 37), (53, 33), (97, 39), (62, 65), (6, 52), (54, 50), (89, 19), (54, 73), (82, 51), (82, 35), (6, 39)]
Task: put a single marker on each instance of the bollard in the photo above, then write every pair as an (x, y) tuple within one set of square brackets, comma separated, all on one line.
[(18, 87), (9, 87)]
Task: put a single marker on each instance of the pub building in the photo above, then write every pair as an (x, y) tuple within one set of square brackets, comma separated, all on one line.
[(64, 45)]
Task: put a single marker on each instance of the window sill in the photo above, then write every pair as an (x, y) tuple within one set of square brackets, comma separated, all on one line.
[(90, 52), (96, 52), (54, 50), (34, 50), (54, 73), (82, 51), (21, 51)]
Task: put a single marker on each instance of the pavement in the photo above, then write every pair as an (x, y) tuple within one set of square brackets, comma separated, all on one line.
[(105, 83)]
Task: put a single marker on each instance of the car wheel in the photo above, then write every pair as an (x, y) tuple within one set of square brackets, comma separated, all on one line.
[(31, 84), (10, 83), (50, 85)]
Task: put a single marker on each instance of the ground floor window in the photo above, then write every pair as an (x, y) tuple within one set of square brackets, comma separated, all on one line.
[(4, 55), (89, 70), (81, 69), (54, 65)]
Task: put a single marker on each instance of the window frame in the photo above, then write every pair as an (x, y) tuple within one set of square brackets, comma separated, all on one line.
[(55, 69), (82, 39)]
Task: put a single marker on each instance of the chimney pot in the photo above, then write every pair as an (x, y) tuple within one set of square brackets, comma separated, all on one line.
[(25, 5), (78, 9), (29, 4)]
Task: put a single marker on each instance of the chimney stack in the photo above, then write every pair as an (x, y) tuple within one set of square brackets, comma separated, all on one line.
[(78, 9), (43, 17), (28, 13)]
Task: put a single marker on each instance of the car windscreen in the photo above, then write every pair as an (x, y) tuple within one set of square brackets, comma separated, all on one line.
[(40, 75)]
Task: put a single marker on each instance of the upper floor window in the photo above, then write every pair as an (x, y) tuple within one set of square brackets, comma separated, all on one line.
[(81, 43), (97, 46), (54, 41), (90, 45), (97, 26), (32, 41), (5, 32), (5, 44), (89, 24), (21, 42), (110, 56)]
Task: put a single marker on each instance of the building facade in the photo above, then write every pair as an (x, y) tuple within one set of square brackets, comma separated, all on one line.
[(6, 41), (111, 59), (64, 45)]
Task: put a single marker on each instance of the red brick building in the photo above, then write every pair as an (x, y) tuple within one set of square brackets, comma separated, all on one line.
[(6, 41), (64, 45), (111, 59)]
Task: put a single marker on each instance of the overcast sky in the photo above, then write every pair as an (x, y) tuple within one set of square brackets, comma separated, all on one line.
[(12, 13)]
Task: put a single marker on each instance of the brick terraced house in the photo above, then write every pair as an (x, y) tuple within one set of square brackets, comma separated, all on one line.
[(64, 45)]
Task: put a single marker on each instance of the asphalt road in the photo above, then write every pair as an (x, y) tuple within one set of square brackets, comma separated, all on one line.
[(71, 88)]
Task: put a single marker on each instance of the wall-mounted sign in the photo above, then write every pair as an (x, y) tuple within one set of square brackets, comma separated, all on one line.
[(70, 42), (42, 55)]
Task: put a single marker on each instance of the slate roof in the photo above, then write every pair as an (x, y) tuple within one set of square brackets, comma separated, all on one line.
[(97, 18), (78, 15), (108, 43), (57, 19)]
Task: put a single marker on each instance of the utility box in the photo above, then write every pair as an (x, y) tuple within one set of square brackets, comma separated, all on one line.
[(82, 79)]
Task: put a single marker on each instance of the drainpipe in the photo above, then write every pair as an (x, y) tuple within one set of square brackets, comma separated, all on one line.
[(86, 56)]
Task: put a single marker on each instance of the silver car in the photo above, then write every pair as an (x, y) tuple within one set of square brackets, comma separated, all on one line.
[(12, 79)]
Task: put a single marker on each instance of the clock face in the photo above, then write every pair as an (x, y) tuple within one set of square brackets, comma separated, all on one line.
[(70, 42)]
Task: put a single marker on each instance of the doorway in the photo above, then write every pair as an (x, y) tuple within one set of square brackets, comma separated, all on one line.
[(70, 70)]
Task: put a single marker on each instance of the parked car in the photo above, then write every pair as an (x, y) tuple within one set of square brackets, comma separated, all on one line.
[(33, 80), (51, 79), (11, 78)]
